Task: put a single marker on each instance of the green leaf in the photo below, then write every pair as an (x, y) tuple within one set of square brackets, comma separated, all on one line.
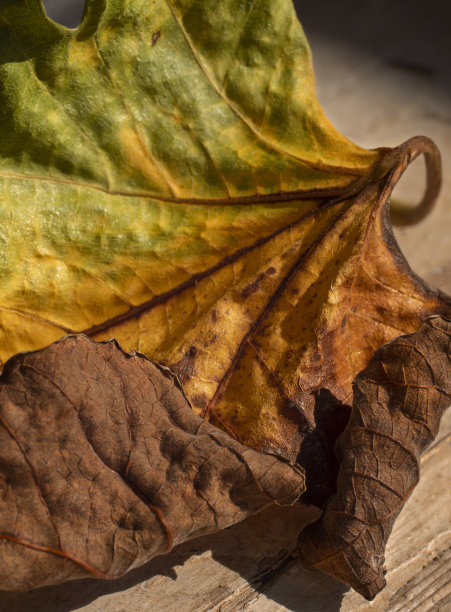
[(123, 144)]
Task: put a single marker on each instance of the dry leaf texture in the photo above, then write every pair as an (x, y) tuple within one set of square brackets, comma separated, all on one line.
[(103, 465), (212, 218), (398, 402), (168, 178), (131, 164)]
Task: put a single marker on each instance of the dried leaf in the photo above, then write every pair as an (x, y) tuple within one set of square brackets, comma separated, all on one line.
[(132, 166), (228, 232), (103, 465), (398, 401), (168, 178)]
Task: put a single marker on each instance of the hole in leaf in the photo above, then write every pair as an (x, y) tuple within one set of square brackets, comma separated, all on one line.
[(65, 12)]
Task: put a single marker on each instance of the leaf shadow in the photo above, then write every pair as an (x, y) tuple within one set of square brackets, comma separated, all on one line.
[(261, 552)]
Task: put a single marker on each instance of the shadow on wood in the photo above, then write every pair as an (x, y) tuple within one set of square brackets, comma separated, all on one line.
[(259, 550)]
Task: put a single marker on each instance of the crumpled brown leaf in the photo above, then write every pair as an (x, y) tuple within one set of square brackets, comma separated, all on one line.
[(103, 464), (398, 401)]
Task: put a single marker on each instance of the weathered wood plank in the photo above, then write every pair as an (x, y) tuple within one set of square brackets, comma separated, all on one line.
[(254, 566)]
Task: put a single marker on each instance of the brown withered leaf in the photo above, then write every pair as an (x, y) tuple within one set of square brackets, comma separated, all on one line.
[(398, 401), (103, 464)]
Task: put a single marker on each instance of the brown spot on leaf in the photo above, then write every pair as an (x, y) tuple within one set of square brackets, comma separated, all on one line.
[(199, 400), (252, 287), (343, 324), (185, 368), (211, 340), (155, 37)]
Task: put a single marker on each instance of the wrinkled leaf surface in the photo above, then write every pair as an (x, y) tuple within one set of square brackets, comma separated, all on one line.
[(168, 178), (103, 465), (398, 402)]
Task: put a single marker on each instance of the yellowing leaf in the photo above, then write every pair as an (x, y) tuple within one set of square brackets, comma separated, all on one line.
[(130, 162), (167, 178)]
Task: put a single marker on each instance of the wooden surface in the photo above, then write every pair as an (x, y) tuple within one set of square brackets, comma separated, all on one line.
[(383, 75), (252, 566)]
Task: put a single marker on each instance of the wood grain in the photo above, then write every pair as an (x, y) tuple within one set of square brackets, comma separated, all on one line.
[(253, 566)]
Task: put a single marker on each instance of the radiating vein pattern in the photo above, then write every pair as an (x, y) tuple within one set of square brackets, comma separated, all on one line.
[(168, 178), (81, 238), (211, 218)]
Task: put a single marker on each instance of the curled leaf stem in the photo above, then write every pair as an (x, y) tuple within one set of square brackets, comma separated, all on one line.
[(403, 214)]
